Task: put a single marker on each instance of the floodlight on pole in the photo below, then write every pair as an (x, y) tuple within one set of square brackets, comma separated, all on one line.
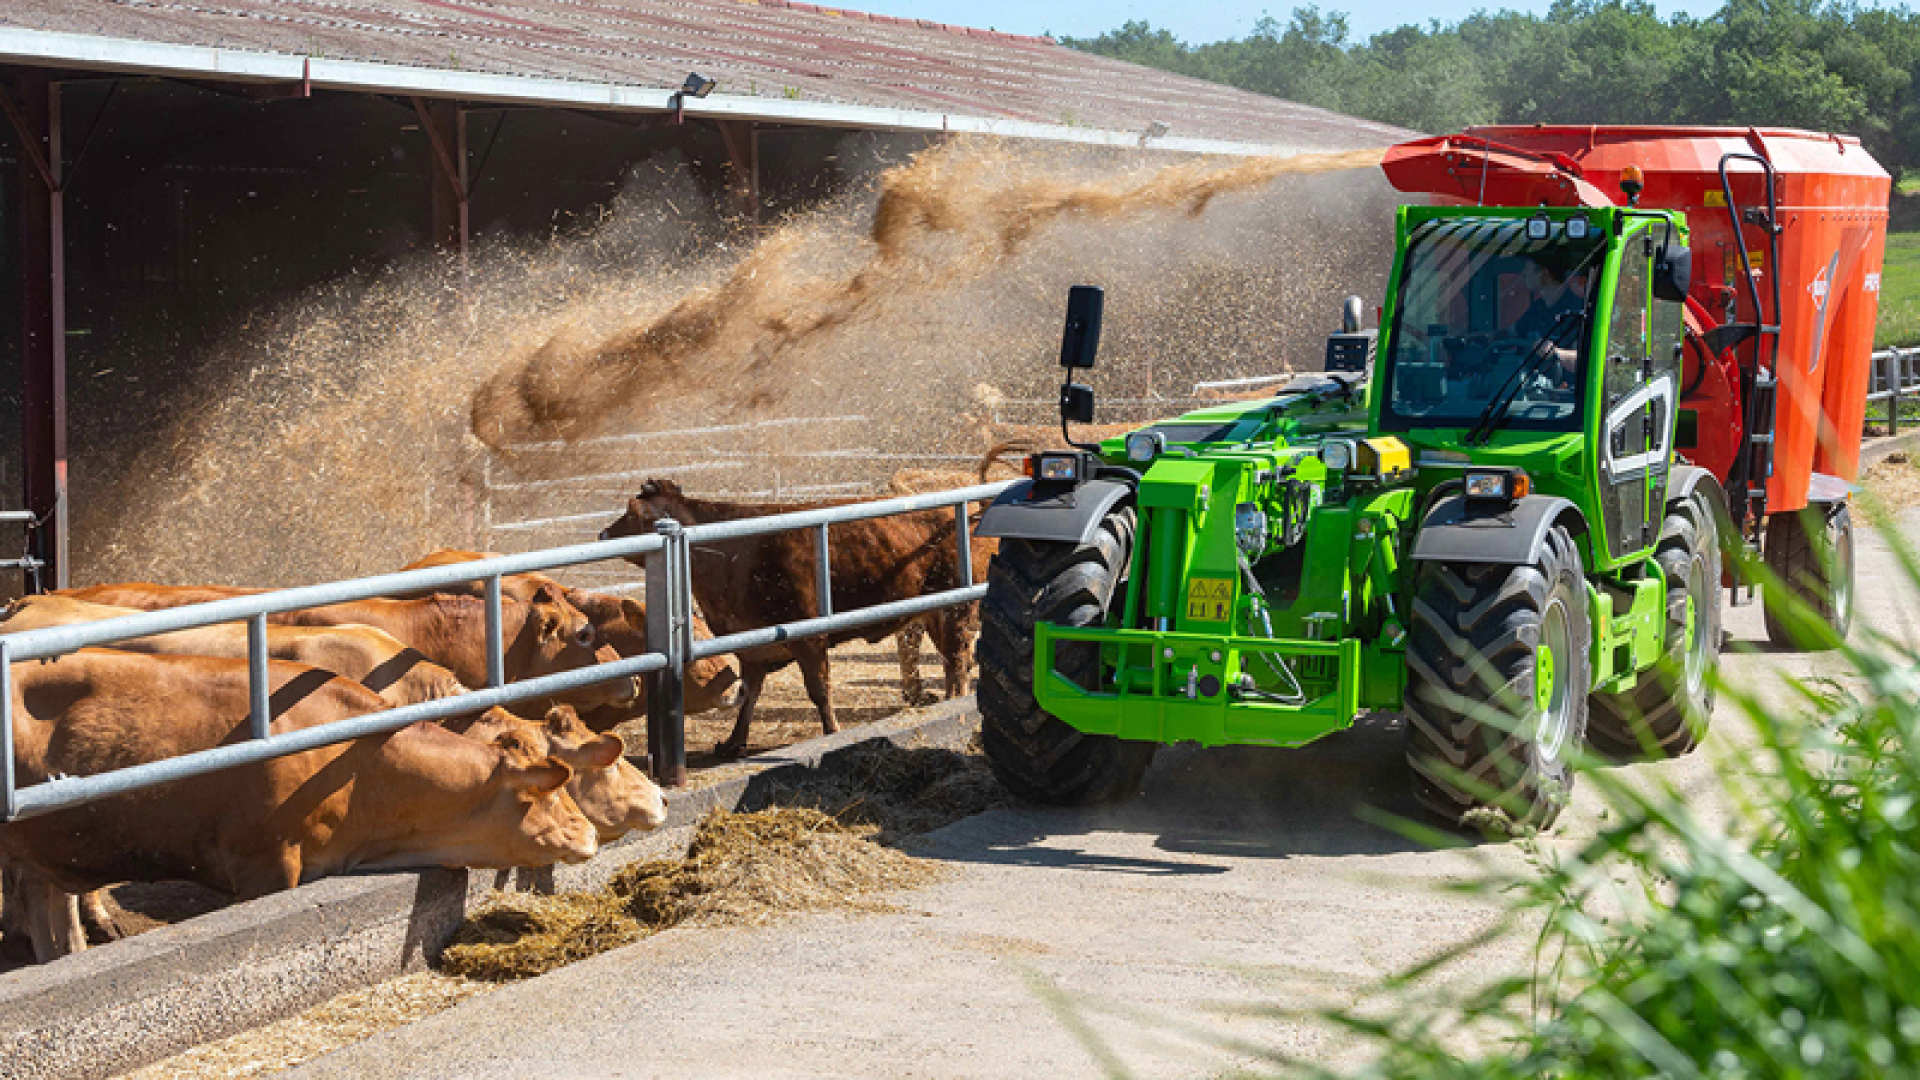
[(697, 85)]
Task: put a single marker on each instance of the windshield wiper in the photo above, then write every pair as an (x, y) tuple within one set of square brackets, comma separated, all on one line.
[(1537, 357)]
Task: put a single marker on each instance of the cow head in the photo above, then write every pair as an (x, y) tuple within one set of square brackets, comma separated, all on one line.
[(531, 820), (560, 638), (614, 795), (657, 501)]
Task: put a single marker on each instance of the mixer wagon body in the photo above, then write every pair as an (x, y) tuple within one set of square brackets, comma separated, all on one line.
[(1831, 204)]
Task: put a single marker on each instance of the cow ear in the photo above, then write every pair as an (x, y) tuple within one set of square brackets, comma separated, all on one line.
[(561, 719), (605, 751), (635, 613), (545, 778), (547, 594), (549, 618)]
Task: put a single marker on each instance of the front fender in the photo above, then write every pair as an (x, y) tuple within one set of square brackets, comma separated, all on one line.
[(1509, 536), (1070, 517)]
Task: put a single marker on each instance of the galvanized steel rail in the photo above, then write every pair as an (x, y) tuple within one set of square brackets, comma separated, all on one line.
[(1894, 374), (669, 619)]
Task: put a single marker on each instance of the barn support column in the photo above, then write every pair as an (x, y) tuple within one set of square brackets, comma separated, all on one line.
[(33, 109), (446, 126), (743, 167)]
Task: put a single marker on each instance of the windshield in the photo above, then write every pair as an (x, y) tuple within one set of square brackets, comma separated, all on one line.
[(1479, 309)]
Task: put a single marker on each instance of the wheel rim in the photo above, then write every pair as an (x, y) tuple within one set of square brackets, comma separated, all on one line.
[(1553, 704), (1694, 643), (1840, 545)]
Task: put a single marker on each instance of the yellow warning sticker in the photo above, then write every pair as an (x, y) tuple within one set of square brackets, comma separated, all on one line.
[(1209, 599), (1714, 198)]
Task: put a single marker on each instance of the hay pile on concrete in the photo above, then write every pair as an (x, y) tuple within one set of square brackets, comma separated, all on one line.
[(740, 869), (903, 793), (521, 935)]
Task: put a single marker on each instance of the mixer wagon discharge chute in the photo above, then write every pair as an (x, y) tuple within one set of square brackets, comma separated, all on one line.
[(1608, 357)]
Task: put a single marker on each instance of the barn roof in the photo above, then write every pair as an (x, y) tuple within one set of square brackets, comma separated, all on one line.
[(775, 60)]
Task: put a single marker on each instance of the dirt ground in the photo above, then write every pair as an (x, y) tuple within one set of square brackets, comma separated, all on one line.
[(1891, 485), (866, 688)]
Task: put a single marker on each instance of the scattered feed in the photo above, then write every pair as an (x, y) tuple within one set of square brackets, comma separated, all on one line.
[(832, 845), (349, 1018), (740, 869), (1891, 484)]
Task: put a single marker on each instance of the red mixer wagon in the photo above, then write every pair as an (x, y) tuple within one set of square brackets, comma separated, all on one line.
[(1788, 232)]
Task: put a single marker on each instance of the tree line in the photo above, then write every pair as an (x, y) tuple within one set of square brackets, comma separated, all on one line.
[(1765, 63)]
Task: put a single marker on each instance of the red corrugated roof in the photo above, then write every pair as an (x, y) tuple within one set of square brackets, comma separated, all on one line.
[(767, 48)]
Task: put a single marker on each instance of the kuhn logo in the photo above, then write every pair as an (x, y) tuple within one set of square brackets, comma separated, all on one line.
[(1818, 286), (1873, 281)]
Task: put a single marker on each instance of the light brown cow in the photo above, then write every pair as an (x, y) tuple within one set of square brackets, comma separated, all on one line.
[(419, 797), (373, 658), (541, 638), (762, 580), (622, 623), (617, 797)]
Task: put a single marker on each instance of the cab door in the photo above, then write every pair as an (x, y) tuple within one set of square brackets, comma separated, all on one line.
[(1640, 388)]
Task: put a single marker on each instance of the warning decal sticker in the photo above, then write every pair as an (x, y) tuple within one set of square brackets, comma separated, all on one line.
[(1209, 599)]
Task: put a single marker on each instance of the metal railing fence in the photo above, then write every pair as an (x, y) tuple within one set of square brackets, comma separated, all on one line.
[(669, 620), (1894, 375)]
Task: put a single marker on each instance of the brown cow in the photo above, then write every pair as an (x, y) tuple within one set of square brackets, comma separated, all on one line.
[(373, 658), (617, 797), (541, 638), (621, 623), (419, 797), (762, 580)]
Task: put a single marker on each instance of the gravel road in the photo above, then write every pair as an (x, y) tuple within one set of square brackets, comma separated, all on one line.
[(1146, 939)]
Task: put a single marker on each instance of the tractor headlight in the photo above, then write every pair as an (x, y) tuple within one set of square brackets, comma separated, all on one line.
[(1576, 228), (1496, 485), (1056, 467), (1338, 455), (1144, 446)]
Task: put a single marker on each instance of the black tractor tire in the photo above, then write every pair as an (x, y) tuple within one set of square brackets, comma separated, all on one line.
[(1477, 735), (1665, 715), (1036, 755), (1811, 552)]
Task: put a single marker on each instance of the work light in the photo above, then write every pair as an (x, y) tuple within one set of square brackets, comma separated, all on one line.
[(1577, 228), (1144, 446), (1337, 454), (1496, 485), (1056, 467)]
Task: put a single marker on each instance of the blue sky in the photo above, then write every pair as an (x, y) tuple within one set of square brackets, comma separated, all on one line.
[(1195, 22)]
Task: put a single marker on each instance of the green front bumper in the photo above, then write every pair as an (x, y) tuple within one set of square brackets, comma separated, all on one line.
[(1153, 681)]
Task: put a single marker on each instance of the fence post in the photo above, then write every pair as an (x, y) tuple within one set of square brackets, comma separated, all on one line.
[(822, 571), (6, 732), (260, 716), (1897, 361), (963, 533), (667, 572), (496, 648)]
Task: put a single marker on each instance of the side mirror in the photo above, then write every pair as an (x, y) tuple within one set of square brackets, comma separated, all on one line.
[(1672, 273), (1076, 404), (1081, 338)]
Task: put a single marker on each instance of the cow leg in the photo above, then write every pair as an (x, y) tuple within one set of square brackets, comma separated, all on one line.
[(53, 917), (912, 690), (751, 678), (99, 922), (814, 668), (955, 641)]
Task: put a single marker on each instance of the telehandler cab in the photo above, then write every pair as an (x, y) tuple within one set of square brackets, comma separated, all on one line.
[(1506, 523)]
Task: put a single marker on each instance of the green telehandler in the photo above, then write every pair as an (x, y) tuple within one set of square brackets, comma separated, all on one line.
[(1488, 533)]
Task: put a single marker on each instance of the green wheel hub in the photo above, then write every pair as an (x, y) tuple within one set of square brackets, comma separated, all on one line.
[(1543, 677)]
